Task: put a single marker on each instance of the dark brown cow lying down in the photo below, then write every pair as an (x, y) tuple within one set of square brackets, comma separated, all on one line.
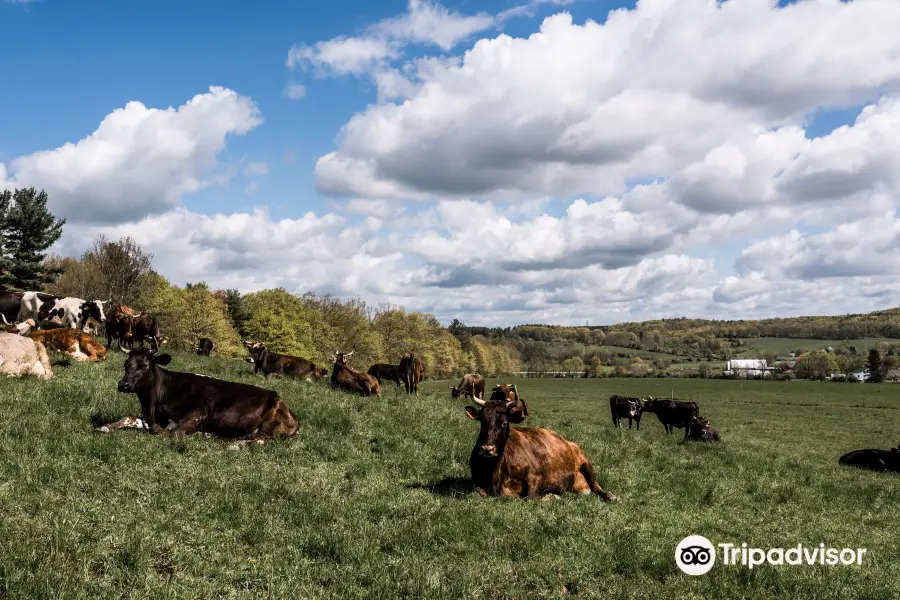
[(345, 377), (188, 403), (525, 461)]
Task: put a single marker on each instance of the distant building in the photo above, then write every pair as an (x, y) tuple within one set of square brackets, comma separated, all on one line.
[(747, 367)]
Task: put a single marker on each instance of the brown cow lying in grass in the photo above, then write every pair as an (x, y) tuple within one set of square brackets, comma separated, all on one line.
[(525, 461), (71, 342)]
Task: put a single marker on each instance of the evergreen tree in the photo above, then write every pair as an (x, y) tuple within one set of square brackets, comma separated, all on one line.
[(5, 201), (876, 366), (236, 310), (27, 230)]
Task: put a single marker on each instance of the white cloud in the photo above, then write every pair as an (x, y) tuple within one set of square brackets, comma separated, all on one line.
[(580, 109), (140, 160), (424, 22), (256, 169), (295, 91)]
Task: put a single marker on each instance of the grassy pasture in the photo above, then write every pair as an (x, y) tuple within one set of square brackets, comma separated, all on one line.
[(372, 499), (783, 346)]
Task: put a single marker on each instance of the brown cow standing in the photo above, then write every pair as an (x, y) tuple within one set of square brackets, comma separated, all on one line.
[(471, 385), (411, 370), (503, 391), (525, 461), (347, 378), (71, 342)]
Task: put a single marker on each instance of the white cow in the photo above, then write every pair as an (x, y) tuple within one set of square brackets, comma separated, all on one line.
[(23, 356)]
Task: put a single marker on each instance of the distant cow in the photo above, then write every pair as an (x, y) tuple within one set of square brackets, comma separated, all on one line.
[(145, 326), (503, 391), (700, 431), (525, 461), (279, 365), (345, 377), (411, 370), (71, 342), (205, 347), (23, 356), (672, 413), (119, 325), (188, 403), (384, 371), (883, 461), (10, 303), (625, 407), (471, 385)]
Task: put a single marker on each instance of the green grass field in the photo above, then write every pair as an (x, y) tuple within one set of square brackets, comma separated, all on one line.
[(373, 499)]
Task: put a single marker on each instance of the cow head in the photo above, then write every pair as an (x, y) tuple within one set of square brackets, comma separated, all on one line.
[(454, 392), (649, 405), (502, 392), (495, 418), (94, 310), (255, 349), (634, 409), (343, 358), (139, 370)]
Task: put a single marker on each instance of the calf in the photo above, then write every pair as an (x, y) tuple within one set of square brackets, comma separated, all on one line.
[(471, 385), (71, 342), (23, 356), (672, 413), (205, 347), (624, 407), (883, 461), (345, 377), (699, 431), (189, 403), (525, 461), (279, 365), (411, 371), (508, 392), (384, 371)]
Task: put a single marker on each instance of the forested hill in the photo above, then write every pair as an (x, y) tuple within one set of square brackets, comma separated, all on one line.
[(698, 337)]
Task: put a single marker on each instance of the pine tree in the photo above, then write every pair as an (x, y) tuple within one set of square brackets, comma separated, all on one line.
[(28, 230), (5, 201), (876, 366)]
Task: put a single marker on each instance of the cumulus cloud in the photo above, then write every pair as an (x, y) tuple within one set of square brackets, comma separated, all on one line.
[(140, 161), (295, 91), (424, 22), (582, 109)]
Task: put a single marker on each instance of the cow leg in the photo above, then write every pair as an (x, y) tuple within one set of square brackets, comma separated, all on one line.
[(123, 423), (186, 426), (278, 420), (587, 471), (629, 422)]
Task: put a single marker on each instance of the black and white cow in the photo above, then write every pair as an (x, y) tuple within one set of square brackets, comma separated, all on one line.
[(70, 312)]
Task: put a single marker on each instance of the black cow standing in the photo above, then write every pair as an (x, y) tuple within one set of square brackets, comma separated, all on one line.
[(672, 413), (385, 371), (624, 407), (205, 347)]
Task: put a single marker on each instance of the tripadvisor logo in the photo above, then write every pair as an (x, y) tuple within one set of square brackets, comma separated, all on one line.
[(695, 555)]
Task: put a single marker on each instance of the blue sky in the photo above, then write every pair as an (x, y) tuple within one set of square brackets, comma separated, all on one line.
[(723, 178)]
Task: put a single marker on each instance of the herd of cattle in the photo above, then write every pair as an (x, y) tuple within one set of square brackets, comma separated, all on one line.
[(507, 461)]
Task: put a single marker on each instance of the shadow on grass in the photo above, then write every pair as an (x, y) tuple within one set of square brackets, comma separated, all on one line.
[(449, 486)]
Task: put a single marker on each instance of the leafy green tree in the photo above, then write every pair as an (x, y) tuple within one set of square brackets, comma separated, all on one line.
[(28, 230), (876, 366), (815, 365), (283, 322), (345, 328), (109, 271)]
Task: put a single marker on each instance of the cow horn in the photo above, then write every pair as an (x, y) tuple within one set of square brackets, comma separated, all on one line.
[(479, 401), (119, 343), (5, 322)]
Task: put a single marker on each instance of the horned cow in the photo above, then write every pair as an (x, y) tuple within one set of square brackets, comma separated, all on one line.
[(525, 461), (345, 377), (471, 385), (279, 365)]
